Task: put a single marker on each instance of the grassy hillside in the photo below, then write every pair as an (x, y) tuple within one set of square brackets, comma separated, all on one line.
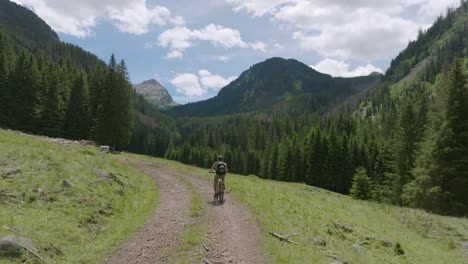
[(340, 221), (78, 224)]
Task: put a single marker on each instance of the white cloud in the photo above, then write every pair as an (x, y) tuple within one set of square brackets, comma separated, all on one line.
[(78, 18), (342, 29), (223, 58), (219, 36), (368, 37), (178, 39), (174, 54), (190, 84), (258, 45), (338, 68), (257, 7), (178, 21), (278, 46), (435, 8), (214, 81)]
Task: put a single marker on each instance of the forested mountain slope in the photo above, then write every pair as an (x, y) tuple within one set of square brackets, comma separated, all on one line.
[(408, 138), (421, 108), (53, 88), (30, 32), (278, 84)]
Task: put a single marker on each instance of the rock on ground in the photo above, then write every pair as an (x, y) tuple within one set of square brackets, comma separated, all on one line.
[(358, 248), (14, 247), (320, 241)]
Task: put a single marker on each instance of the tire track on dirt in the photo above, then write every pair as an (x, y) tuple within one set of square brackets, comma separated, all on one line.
[(157, 241), (231, 229)]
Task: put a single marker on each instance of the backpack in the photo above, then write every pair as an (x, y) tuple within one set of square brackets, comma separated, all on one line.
[(221, 168)]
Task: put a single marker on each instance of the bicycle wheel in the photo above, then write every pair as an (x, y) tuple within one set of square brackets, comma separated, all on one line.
[(220, 191)]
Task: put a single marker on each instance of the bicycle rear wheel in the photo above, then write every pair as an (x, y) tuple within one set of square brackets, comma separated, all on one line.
[(220, 191)]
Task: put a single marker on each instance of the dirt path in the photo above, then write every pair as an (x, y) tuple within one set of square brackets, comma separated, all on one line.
[(231, 236), (157, 241), (230, 228)]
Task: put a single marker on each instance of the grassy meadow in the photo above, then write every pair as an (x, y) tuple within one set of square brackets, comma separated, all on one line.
[(78, 224), (384, 233)]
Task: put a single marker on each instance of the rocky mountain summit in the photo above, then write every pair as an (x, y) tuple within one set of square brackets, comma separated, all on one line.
[(155, 93)]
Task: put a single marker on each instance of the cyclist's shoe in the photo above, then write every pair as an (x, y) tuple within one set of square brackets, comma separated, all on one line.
[(215, 195)]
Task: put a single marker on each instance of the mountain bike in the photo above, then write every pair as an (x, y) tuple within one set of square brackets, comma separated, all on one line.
[(220, 187), (220, 191)]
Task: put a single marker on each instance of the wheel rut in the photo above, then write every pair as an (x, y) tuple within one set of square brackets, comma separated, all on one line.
[(157, 241), (232, 235)]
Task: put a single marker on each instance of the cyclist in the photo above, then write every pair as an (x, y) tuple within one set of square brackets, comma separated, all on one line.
[(220, 167)]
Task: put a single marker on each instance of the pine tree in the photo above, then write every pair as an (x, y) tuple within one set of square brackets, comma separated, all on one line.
[(115, 116), (77, 115), (7, 61), (441, 172), (53, 113), (361, 186), (23, 89), (96, 87), (405, 147)]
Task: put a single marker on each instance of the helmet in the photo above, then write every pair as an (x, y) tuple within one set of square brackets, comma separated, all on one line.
[(220, 158)]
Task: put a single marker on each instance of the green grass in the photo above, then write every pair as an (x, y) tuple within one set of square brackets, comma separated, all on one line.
[(290, 208), (194, 233), (196, 207), (81, 224), (193, 236)]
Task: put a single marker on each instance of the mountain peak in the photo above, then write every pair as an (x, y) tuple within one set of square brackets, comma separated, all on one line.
[(155, 93), (151, 82), (375, 74), (278, 83)]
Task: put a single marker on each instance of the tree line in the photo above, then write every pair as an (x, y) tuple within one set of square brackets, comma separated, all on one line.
[(55, 98), (414, 151)]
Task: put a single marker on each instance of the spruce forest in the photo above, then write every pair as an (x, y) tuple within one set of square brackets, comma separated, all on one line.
[(56, 99), (400, 138)]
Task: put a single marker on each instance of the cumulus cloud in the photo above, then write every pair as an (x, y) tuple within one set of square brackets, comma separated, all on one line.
[(188, 84), (258, 45), (257, 7), (339, 68), (214, 81), (369, 37), (78, 18), (199, 84), (342, 29), (178, 39)]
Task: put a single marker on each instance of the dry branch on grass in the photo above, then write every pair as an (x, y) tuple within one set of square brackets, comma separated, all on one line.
[(345, 228), (284, 238)]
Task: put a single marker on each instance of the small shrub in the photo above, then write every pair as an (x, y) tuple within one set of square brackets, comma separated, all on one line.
[(89, 152), (31, 198), (398, 249)]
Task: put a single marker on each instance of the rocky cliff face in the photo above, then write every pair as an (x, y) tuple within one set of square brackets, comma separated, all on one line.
[(155, 93)]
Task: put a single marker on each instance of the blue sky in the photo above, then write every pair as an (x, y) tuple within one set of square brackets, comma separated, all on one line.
[(194, 48)]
